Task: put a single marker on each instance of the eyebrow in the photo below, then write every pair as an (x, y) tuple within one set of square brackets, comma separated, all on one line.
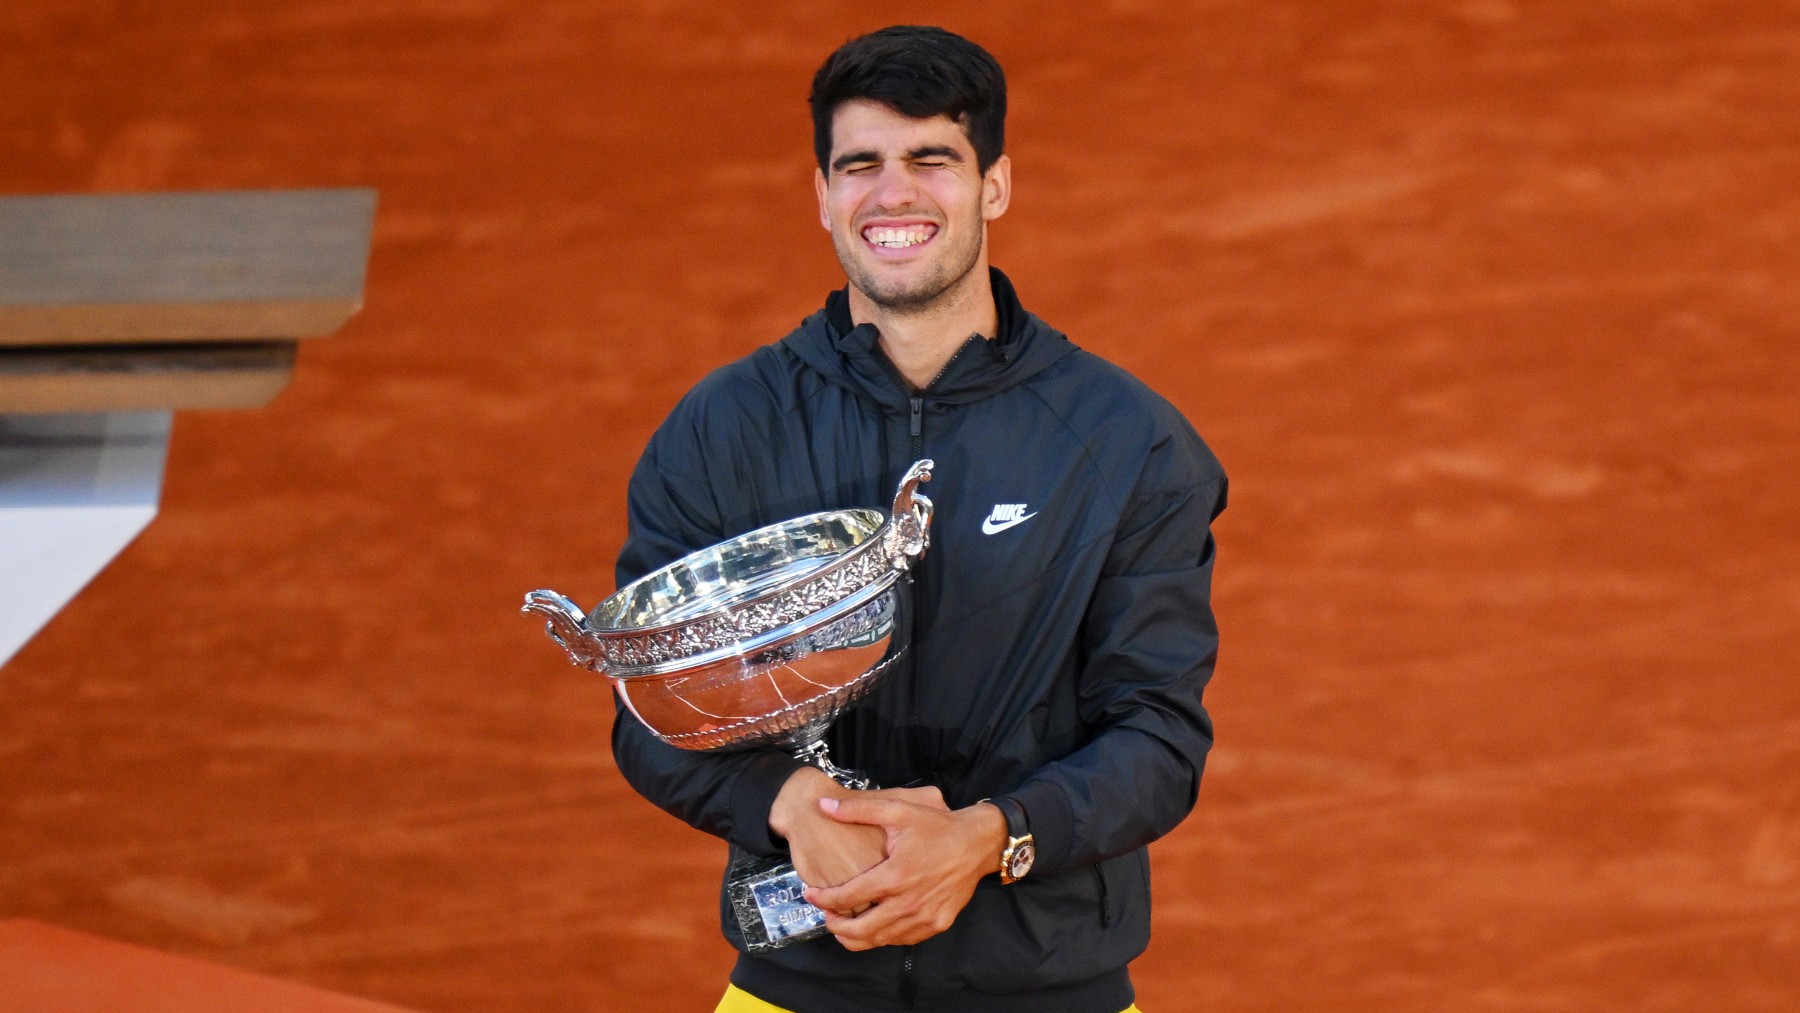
[(850, 158)]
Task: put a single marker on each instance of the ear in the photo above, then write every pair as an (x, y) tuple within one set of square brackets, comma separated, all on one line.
[(819, 191), (996, 189)]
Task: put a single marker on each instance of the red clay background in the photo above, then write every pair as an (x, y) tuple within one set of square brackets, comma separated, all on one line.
[(1489, 307)]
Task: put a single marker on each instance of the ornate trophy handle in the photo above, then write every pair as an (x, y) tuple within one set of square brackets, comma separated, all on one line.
[(565, 628), (911, 518)]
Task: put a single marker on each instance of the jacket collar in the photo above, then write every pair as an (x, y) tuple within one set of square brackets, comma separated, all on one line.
[(1006, 305), (850, 355)]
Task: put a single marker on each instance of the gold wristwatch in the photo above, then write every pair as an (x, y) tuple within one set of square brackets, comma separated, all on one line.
[(1021, 849)]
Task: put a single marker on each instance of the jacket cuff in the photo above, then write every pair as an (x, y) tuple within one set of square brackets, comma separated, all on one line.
[(1052, 822), (753, 795)]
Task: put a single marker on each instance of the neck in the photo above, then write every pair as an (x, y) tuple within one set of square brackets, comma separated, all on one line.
[(919, 341)]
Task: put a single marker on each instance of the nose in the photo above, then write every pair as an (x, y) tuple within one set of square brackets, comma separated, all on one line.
[(896, 189)]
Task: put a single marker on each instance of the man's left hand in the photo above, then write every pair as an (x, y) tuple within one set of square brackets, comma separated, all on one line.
[(934, 860)]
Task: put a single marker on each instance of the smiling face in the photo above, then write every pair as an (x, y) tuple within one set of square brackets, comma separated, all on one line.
[(906, 206)]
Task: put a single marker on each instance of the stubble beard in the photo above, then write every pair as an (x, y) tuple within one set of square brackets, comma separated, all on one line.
[(913, 296)]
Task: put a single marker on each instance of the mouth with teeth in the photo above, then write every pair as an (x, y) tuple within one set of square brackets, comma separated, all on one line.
[(899, 237)]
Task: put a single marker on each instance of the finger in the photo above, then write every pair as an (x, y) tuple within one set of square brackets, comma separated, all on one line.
[(928, 796), (878, 812), (866, 931), (839, 899), (870, 888)]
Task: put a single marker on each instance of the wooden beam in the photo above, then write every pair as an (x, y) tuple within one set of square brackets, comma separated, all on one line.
[(224, 266), (76, 378)]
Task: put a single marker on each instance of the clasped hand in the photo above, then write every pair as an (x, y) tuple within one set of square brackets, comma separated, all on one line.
[(889, 867)]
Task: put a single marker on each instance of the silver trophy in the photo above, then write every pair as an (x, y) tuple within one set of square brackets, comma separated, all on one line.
[(761, 640)]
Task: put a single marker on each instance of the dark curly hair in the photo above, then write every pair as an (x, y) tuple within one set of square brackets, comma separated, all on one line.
[(918, 71)]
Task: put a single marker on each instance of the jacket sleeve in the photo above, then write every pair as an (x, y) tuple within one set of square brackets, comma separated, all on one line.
[(1148, 643), (725, 794)]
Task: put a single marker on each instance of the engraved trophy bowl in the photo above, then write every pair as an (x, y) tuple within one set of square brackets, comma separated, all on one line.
[(761, 640)]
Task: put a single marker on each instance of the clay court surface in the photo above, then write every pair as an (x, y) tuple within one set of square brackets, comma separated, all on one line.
[(1490, 309)]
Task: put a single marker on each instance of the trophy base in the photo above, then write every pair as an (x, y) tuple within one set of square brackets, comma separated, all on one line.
[(767, 894), (769, 901)]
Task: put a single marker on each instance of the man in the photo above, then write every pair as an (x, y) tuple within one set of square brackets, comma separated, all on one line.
[(1063, 632)]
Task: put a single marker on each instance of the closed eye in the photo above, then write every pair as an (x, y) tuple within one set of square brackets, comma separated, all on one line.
[(856, 161), (934, 157)]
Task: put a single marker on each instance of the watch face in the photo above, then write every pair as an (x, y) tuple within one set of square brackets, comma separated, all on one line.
[(1019, 862)]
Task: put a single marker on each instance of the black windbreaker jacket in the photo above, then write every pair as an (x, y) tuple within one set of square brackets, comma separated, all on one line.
[(1058, 661)]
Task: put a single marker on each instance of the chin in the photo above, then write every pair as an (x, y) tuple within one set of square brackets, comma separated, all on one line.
[(904, 297), (910, 292)]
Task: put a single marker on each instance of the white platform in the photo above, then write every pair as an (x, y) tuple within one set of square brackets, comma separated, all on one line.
[(74, 491)]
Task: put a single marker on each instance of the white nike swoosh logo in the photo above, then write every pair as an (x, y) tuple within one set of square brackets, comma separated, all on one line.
[(988, 527)]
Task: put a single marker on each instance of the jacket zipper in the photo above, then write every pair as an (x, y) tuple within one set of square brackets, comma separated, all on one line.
[(960, 349), (909, 991), (915, 400), (1105, 914), (915, 403)]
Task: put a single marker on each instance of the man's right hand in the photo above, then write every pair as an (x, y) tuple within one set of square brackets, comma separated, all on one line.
[(827, 852)]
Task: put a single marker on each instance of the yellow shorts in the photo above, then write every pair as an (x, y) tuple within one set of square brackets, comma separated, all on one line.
[(739, 1001)]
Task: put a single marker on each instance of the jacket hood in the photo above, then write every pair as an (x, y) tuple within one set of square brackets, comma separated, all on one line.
[(851, 357)]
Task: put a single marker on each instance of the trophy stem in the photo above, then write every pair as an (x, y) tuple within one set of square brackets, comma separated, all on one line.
[(816, 754)]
